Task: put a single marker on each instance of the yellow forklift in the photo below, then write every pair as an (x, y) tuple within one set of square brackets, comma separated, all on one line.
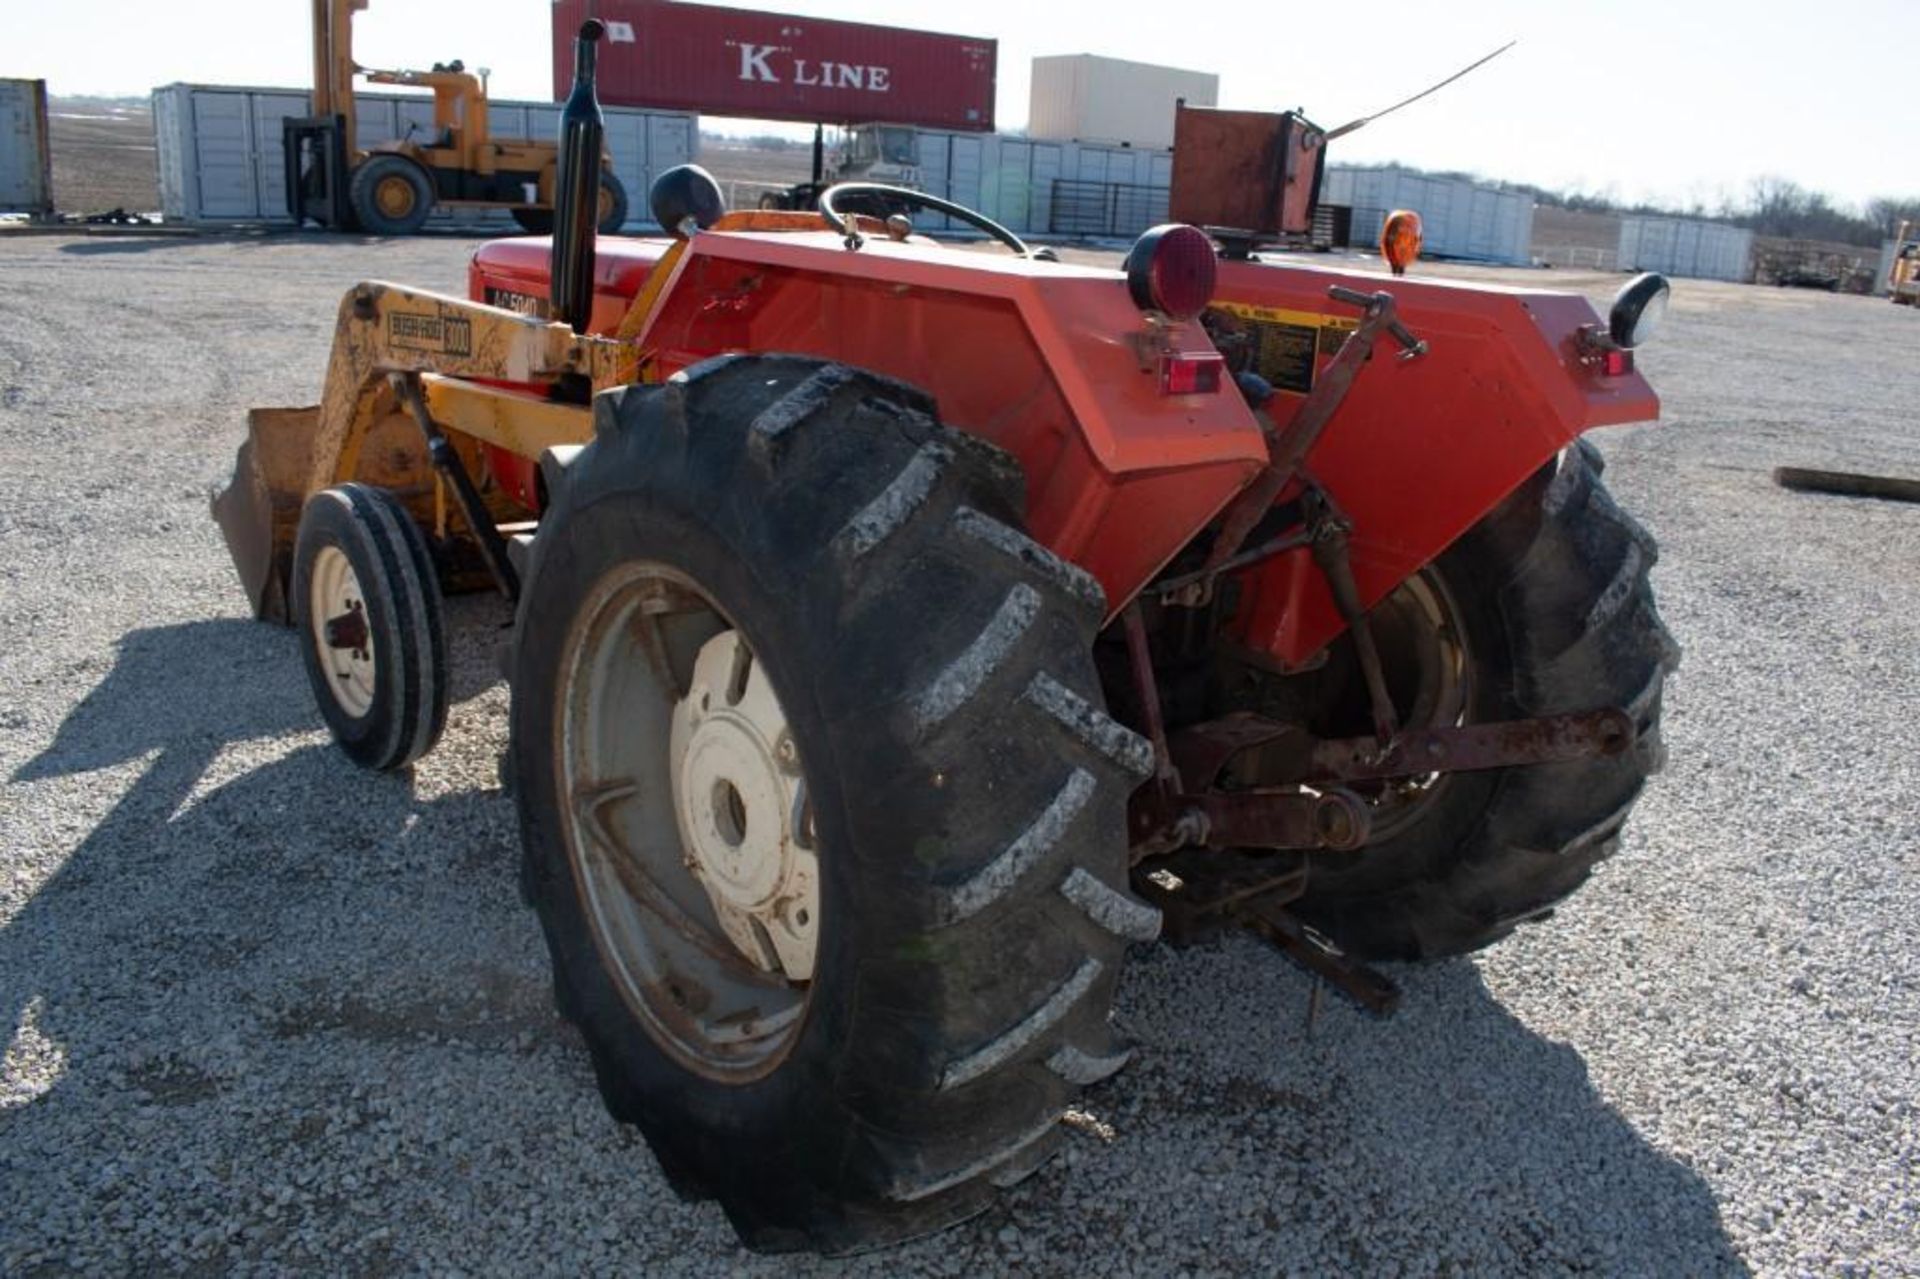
[(1903, 280), (392, 187)]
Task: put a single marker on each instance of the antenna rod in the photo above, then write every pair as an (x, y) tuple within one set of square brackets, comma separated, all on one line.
[(1351, 125)]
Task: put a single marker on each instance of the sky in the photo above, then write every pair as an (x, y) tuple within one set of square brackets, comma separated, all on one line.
[(1680, 102)]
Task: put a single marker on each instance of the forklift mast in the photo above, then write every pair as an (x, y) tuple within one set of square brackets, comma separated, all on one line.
[(333, 64), (319, 148)]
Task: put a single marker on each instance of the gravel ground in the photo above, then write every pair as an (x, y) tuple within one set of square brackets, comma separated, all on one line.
[(264, 1011)]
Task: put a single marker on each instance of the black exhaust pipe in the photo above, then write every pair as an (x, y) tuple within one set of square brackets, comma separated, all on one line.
[(576, 197)]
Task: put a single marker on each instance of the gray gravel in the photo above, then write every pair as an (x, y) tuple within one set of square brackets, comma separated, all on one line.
[(262, 1010)]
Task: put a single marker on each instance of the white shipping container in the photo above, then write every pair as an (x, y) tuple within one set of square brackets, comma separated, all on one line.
[(1686, 247), (26, 169), (1078, 97), (221, 159), (1459, 219)]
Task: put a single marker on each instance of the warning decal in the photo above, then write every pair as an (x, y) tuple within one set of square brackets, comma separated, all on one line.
[(1289, 344)]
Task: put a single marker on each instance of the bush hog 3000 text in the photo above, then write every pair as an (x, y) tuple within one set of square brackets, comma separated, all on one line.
[(902, 631)]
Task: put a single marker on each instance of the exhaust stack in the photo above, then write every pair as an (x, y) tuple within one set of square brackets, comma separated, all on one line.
[(576, 199)]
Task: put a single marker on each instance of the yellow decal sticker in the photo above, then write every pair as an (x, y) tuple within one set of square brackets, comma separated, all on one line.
[(1288, 344), (441, 334)]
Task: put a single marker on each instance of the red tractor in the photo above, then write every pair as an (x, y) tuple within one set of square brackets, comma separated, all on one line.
[(902, 631)]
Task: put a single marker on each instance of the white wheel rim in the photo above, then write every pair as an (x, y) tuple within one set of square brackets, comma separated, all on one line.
[(335, 594), (684, 812)]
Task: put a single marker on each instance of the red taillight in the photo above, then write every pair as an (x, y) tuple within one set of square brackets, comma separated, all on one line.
[(1616, 363), (1191, 373), (1171, 269)]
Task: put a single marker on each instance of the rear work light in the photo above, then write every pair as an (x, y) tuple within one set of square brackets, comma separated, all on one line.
[(1191, 373), (1171, 270)]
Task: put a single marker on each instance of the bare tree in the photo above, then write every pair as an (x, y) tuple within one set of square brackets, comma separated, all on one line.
[(1887, 212)]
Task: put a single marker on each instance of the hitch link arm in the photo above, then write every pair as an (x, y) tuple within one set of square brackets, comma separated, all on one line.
[(1287, 449), (1329, 528)]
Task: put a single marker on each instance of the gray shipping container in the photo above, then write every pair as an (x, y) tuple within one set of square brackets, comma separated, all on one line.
[(1686, 247), (26, 169), (220, 156), (1458, 219)]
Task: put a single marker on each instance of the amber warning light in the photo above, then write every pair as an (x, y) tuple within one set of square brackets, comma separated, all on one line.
[(1400, 238)]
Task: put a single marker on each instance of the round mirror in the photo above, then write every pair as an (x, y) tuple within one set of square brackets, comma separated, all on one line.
[(682, 192)]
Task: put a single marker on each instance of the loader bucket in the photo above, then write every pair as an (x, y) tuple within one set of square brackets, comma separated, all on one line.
[(259, 512)]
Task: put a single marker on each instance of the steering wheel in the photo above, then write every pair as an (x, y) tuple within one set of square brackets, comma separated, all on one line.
[(843, 222)]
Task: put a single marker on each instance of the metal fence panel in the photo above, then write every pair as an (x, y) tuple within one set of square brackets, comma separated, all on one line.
[(1115, 209)]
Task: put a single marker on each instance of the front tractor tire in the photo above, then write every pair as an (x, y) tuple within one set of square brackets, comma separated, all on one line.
[(822, 817), (1544, 608), (366, 606)]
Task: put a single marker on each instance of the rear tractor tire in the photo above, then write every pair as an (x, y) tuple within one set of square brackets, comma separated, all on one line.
[(366, 605), (1547, 609), (823, 819)]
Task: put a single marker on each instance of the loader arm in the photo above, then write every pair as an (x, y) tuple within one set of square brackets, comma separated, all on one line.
[(360, 432)]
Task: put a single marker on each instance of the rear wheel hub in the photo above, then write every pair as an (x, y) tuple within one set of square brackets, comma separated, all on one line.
[(740, 803), (681, 802)]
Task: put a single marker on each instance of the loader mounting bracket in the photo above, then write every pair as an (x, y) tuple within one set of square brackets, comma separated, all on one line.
[(446, 460)]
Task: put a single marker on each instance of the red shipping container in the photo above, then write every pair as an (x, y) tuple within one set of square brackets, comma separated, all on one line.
[(770, 66)]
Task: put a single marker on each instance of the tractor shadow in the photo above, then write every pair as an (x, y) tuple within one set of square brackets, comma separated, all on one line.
[(247, 993), (1450, 1138), (186, 691), (249, 931)]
